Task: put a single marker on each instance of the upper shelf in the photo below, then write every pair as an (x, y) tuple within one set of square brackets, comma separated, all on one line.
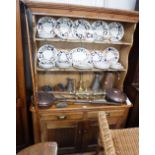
[(83, 41), (48, 8)]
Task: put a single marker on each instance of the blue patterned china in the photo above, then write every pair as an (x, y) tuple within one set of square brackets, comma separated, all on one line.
[(80, 55), (64, 59), (112, 55), (116, 31), (101, 30), (99, 60), (81, 29), (96, 56), (64, 28), (81, 58), (46, 27), (47, 56)]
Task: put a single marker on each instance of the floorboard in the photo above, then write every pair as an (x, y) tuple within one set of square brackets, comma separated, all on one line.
[(87, 153)]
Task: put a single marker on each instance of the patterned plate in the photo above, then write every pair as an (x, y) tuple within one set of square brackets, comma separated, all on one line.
[(47, 55), (80, 55), (45, 27), (81, 29), (64, 28), (116, 31), (64, 59), (96, 56), (101, 30), (112, 55)]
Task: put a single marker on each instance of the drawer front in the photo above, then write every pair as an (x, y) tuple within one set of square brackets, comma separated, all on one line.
[(62, 116), (110, 113)]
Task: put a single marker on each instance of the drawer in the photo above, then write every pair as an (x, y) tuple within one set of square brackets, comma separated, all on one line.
[(62, 116), (110, 113)]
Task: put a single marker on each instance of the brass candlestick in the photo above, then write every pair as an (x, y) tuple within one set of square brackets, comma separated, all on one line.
[(81, 84), (85, 86), (74, 86)]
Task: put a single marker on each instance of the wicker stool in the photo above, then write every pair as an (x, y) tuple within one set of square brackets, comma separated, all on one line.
[(47, 148), (118, 141)]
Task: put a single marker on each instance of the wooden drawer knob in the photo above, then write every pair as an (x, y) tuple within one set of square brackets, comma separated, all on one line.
[(62, 117)]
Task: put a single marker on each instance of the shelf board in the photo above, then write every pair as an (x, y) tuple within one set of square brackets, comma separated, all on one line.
[(83, 41), (88, 92), (81, 98), (78, 70)]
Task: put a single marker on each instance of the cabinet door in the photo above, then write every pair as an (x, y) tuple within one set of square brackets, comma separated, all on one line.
[(91, 129), (66, 133), (90, 135)]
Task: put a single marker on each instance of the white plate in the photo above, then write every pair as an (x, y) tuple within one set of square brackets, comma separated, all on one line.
[(116, 31), (101, 30), (117, 66), (64, 59), (46, 65), (47, 54), (64, 28), (97, 56), (80, 55), (83, 65), (112, 55), (63, 65), (81, 29), (102, 65), (46, 27)]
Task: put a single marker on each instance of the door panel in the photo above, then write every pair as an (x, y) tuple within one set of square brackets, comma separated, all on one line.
[(66, 133)]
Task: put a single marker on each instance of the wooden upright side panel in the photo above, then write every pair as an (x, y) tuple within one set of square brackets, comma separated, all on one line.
[(22, 135)]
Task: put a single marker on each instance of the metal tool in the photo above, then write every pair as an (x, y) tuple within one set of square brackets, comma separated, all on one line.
[(100, 101)]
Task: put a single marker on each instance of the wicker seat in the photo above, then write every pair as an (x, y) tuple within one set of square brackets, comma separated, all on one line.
[(118, 141), (46, 148)]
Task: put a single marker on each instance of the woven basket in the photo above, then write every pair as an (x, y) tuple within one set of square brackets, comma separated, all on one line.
[(118, 141)]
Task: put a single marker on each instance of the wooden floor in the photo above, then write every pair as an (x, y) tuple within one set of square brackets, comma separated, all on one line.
[(87, 153), (90, 153)]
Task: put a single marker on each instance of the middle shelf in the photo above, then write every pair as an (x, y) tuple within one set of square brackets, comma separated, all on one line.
[(79, 70), (84, 41)]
